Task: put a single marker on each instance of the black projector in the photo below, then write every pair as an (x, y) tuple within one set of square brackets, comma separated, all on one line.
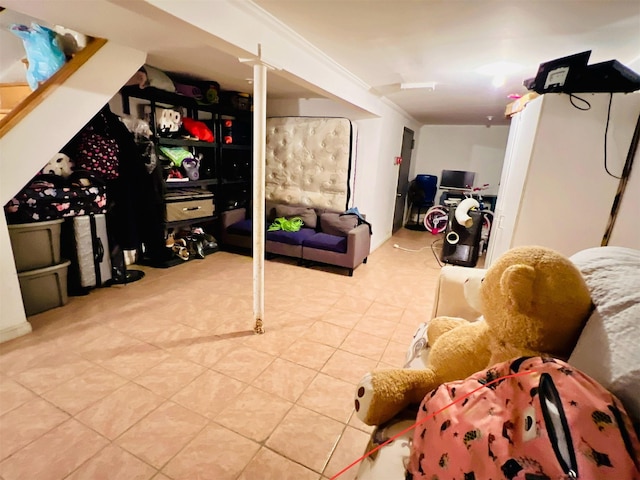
[(572, 75)]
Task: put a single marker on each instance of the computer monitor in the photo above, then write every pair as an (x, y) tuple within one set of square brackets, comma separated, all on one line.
[(560, 74), (456, 179)]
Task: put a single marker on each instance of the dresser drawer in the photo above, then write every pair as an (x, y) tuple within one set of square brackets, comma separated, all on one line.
[(188, 204)]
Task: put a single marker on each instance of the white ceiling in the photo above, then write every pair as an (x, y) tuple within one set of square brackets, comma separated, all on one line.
[(385, 43)]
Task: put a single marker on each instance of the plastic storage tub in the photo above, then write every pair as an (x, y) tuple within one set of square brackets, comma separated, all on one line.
[(36, 245), (44, 288)]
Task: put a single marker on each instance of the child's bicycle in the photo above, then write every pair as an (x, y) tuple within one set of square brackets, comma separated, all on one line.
[(436, 218)]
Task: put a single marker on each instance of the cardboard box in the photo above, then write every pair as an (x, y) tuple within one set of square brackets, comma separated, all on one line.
[(519, 104)]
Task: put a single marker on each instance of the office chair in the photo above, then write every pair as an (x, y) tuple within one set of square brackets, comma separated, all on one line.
[(421, 194)]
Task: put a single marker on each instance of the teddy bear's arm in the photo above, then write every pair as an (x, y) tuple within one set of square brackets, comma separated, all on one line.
[(501, 352), (382, 394), (460, 352), (457, 354), (441, 325)]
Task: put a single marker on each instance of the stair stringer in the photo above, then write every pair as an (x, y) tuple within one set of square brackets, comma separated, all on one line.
[(29, 145), (26, 147)]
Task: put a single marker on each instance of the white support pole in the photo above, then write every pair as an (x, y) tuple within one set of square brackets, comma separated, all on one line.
[(259, 227)]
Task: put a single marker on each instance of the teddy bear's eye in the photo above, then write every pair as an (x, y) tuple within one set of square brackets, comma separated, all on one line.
[(482, 280)]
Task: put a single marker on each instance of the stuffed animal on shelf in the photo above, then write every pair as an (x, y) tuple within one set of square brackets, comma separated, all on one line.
[(60, 164), (534, 302)]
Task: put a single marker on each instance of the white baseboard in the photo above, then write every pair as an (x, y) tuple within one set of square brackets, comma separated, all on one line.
[(14, 331)]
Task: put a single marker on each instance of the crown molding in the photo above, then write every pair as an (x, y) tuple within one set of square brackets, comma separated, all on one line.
[(265, 18)]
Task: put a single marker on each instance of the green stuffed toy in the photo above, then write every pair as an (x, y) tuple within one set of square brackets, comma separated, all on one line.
[(293, 224)]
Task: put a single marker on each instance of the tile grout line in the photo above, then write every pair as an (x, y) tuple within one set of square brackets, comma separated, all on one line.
[(363, 282)]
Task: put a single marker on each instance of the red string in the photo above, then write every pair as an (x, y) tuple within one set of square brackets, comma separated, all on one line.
[(513, 375)]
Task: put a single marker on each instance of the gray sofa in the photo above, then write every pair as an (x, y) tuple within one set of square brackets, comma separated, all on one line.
[(326, 237)]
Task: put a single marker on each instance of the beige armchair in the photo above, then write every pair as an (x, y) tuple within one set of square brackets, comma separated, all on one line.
[(607, 350), (449, 295), (389, 463)]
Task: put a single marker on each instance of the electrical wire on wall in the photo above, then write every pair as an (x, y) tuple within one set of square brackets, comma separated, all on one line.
[(586, 107), (626, 169), (606, 134)]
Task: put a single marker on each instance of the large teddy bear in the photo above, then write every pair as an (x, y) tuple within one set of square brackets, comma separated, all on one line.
[(534, 302)]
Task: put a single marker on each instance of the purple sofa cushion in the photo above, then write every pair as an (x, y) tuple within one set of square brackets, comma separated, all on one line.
[(324, 241), (243, 227), (291, 238)]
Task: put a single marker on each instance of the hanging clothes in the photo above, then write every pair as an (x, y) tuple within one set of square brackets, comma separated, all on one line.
[(136, 209)]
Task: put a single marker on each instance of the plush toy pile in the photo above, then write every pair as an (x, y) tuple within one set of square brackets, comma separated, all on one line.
[(60, 164), (534, 302)]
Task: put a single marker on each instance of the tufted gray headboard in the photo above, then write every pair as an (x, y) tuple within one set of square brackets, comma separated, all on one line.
[(308, 161)]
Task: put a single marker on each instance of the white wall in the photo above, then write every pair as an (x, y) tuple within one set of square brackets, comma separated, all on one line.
[(568, 194), (378, 141), (558, 193), (13, 321), (626, 232), (473, 148)]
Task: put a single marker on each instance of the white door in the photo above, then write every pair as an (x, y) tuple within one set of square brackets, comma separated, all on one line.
[(512, 182)]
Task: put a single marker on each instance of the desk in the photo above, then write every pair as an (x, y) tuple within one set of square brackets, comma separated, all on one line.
[(451, 194), (488, 200)]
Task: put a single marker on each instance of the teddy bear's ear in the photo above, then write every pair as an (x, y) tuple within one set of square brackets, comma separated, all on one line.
[(516, 284)]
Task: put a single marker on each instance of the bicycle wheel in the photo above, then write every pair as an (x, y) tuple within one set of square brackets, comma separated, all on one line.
[(435, 220)]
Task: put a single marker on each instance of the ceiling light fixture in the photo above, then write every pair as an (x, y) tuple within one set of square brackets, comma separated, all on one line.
[(418, 85), (499, 68), (498, 81), (499, 71)]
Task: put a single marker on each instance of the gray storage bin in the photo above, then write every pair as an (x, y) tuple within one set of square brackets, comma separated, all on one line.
[(44, 288), (36, 245)]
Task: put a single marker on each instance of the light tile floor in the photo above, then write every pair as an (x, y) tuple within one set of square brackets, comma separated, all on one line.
[(165, 379)]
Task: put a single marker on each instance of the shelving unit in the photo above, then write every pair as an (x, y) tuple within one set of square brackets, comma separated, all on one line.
[(191, 183), (225, 166)]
